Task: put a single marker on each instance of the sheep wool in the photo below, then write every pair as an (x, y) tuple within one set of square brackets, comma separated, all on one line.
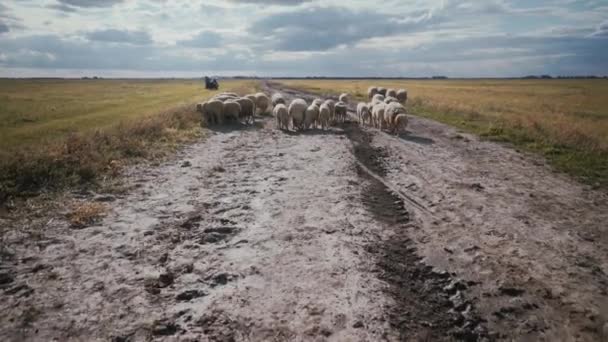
[(297, 109)]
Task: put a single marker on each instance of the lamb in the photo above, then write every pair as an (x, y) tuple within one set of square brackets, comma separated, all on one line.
[(311, 116), (378, 115), (362, 109), (297, 109), (332, 106), (277, 98), (343, 98), (391, 92), (371, 91), (247, 109), (211, 111), (340, 111), (399, 124), (382, 91), (261, 102), (392, 110), (324, 115), (402, 96), (282, 115), (232, 110)]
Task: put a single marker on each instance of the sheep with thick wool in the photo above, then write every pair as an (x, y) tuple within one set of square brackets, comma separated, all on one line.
[(362, 112), (262, 102), (402, 96), (324, 116), (297, 111), (278, 98), (232, 110), (341, 110), (317, 102), (371, 91), (378, 115), (212, 112), (343, 98), (392, 110), (247, 109), (332, 106), (311, 116), (281, 113)]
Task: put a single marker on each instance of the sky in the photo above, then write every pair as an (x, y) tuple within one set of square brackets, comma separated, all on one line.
[(391, 38)]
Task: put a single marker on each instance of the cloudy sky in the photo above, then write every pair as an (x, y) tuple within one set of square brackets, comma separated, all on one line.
[(149, 38)]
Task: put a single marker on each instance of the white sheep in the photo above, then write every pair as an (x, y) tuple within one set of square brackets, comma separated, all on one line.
[(399, 124), (391, 111), (340, 111), (282, 115), (343, 98), (212, 111), (262, 102), (278, 98), (247, 109), (332, 107), (362, 109), (251, 97), (378, 115), (297, 109), (232, 110), (382, 91), (324, 115), (378, 98), (391, 92), (371, 91), (390, 99), (317, 102), (311, 116), (402, 96)]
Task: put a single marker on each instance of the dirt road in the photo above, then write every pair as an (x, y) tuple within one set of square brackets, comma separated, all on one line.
[(348, 235)]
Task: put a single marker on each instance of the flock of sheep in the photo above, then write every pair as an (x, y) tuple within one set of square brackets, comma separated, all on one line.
[(386, 110)]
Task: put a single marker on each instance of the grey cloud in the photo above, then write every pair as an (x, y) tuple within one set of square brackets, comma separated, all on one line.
[(62, 7), (495, 55), (204, 39), (272, 2), (211, 9), (602, 30), (319, 28), (91, 3), (120, 36), (3, 28)]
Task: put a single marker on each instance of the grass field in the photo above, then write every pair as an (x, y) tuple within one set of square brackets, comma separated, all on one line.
[(33, 111), (63, 132), (564, 120)]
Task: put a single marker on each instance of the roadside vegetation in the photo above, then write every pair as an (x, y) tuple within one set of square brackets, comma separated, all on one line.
[(566, 121), (58, 133)]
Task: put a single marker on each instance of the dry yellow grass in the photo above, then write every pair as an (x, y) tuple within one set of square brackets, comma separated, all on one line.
[(86, 214), (565, 120)]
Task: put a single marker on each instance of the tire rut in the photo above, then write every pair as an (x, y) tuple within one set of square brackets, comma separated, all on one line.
[(428, 304)]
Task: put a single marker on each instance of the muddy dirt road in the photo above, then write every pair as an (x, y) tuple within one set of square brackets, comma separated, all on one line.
[(348, 235)]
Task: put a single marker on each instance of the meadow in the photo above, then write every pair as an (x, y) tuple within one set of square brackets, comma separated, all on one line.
[(55, 133), (566, 121)]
